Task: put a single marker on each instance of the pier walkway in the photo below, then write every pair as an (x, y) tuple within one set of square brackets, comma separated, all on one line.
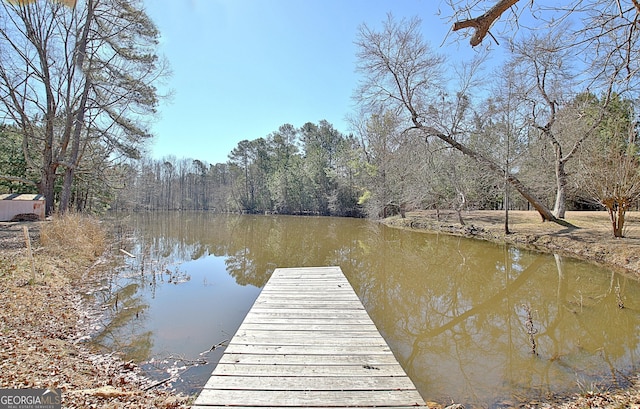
[(308, 342)]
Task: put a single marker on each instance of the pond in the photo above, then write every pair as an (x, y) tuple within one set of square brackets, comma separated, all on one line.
[(470, 321)]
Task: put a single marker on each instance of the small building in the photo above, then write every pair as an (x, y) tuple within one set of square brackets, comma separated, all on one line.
[(16, 206)]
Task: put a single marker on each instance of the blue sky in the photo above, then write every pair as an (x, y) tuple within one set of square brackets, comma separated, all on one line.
[(242, 68)]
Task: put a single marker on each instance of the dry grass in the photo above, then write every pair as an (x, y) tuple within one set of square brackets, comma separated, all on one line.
[(74, 235)]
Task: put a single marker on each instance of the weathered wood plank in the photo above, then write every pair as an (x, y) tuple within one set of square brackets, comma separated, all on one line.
[(309, 278), (342, 342), (303, 383), (299, 296), (310, 297), (237, 348), (268, 318), (289, 407), (341, 287), (273, 333), (328, 326), (308, 342), (324, 318), (310, 305), (296, 313), (310, 287), (318, 336), (308, 370), (310, 398), (308, 359)]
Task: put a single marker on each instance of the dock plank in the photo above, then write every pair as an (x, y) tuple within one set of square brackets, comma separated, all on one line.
[(338, 398), (309, 359), (292, 383), (309, 370), (288, 325), (308, 342), (305, 349), (295, 314)]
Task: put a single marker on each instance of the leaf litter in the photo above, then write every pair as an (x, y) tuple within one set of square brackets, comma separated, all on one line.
[(44, 326)]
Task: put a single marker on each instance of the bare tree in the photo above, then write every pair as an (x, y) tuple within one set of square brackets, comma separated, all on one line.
[(503, 129), (402, 74), (546, 82), (610, 165), (381, 142)]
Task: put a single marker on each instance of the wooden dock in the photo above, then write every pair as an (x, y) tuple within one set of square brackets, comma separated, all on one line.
[(308, 342)]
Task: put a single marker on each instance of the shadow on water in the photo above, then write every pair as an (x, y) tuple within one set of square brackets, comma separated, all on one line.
[(463, 317)]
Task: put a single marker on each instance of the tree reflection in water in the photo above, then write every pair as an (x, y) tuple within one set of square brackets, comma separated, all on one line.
[(450, 308), (452, 311)]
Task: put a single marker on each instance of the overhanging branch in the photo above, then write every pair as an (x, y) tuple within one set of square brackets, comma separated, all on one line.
[(483, 23)]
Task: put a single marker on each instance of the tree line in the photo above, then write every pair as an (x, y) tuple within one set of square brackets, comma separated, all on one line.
[(549, 129), (306, 170)]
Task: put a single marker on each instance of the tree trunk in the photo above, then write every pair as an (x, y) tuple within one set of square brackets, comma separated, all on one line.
[(617, 209), (65, 195), (506, 207), (560, 205), (540, 207), (47, 188), (69, 174)]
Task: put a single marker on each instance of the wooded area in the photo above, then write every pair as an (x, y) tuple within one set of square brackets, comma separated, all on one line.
[(552, 128), (77, 87)]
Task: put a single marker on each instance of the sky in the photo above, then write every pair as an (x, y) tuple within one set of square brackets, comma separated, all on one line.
[(242, 68)]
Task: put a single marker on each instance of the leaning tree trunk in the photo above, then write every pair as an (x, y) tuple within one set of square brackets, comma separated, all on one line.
[(540, 207)]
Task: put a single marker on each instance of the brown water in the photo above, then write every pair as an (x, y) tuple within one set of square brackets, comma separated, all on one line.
[(453, 310)]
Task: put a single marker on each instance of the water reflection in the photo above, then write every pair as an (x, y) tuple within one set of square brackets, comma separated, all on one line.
[(121, 330), (453, 310)]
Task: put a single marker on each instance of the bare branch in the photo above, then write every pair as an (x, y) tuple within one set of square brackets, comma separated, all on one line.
[(68, 3), (483, 23), (18, 179)]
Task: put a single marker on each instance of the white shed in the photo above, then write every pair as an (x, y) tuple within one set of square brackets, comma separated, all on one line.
[(14, 204)]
